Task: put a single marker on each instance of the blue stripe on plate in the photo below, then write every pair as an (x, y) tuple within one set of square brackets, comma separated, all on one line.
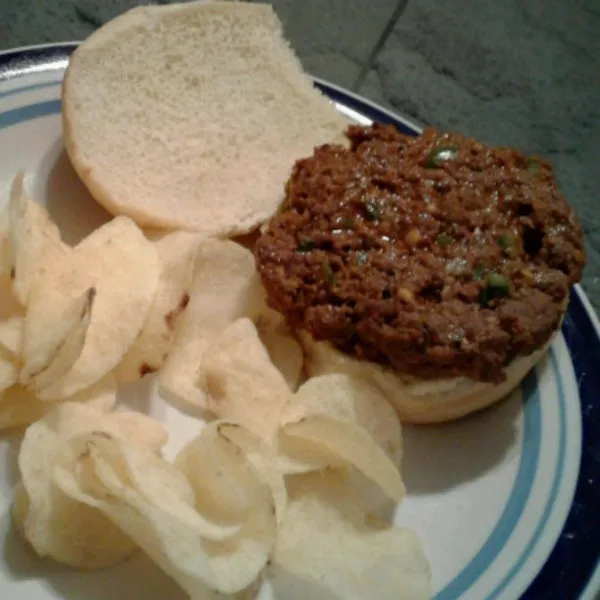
[(562, 436), (531, 435), (585, 354), (576, 554), (28, 88), (519, 496), (26, 113)]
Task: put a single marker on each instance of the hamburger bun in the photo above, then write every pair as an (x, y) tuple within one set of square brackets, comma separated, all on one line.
[(416, 400), (191, 115), (439, 266)]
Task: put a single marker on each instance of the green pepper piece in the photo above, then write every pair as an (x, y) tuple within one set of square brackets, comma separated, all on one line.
[(305, 246), (386, 294), (438, 155), (506, 240), (443, 239), (497, 284), (372, 210), (347, 222), (509, 242), (478, 272)]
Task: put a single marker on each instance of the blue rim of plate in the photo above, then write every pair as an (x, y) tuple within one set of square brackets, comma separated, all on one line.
[(573, 567)]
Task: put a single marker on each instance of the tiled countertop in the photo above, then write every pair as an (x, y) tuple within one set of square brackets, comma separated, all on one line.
[(524, 73)]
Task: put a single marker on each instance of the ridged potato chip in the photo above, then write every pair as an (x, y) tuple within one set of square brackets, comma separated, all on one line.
[(177, 253), (144, 433), (353, 445), (123, 266), (338, 421), (204, 547), (227, 487), (100, 470), (34, 240), (330, 547), (11, 320), (6, 254), (219, 474), (242, 383), (11, 335), (283, 348), (9, 370), (50, 353), (54, 524), (351, 399), (19, 406), (321, 425), (264, 460), (226, 287)]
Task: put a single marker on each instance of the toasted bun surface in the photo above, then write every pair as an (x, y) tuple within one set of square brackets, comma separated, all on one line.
[(191, 115), (416, 400)]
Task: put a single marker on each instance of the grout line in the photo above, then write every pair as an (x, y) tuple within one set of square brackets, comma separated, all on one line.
[(389, 26)]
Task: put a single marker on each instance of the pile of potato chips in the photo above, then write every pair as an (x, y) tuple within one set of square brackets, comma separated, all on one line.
[(274, 484)]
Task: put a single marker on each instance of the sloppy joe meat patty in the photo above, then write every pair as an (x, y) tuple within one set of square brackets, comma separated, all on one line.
[(434, 254)]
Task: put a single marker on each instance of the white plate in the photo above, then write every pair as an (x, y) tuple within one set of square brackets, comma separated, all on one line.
[(488, 496)]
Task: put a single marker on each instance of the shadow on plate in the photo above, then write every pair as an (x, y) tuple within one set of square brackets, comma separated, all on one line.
[(69, 203), (184, 407), (137, 395), (12, 438), (136, 578), (288, 586), (440, 457)]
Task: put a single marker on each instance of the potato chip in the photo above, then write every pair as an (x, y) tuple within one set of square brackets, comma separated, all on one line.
[(20, 507), (245, 387), (53, 352), (9, 371), (242, 383), (11, 335), (263, 459), (55, 525), (129, 487), (352, 399), (353, 445), (9, 304), (226, 486), (108, 468), (11, 319), (34, 239), (177, 253), (19, 406), (226, 287), (6, 254), (330, 547), (284, 350), (147, 433), (123, 266)]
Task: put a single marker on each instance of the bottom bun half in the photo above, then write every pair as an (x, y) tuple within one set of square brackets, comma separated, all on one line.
[(416, 400)]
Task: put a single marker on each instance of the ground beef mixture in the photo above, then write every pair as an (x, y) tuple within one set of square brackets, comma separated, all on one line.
[(433, 254)]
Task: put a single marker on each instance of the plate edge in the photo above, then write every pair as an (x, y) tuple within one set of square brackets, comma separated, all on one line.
[(593, 584)]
